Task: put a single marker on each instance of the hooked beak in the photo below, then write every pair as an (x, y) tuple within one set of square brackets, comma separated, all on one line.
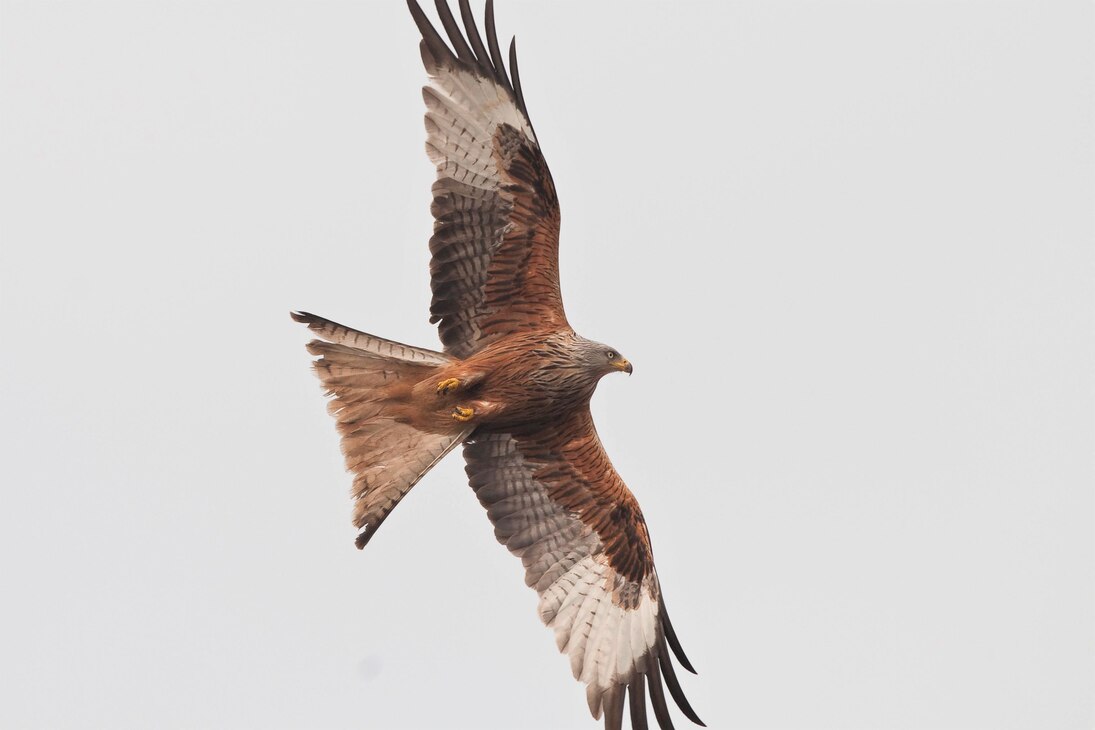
[(622, 365)]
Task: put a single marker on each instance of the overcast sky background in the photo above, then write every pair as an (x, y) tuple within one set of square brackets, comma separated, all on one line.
[(848, 246)]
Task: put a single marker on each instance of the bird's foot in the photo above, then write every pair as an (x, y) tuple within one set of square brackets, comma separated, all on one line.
[(462, 414), (447, 386)]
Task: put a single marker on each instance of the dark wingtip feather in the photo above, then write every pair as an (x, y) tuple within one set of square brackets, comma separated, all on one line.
[(453, 31), (657, 696), (436, 45), (487, 61), (674, 642), (674, 686), (636, 694), (492, 43), (614, 707), (481, 53), (516, 76)]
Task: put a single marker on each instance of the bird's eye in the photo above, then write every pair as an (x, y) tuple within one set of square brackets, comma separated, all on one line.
[(611, 355)]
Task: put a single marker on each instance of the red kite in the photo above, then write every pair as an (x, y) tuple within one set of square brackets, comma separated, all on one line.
[(512, 386)]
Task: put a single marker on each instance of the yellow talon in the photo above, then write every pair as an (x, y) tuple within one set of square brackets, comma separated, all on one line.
[(462, 414), (447, 386)]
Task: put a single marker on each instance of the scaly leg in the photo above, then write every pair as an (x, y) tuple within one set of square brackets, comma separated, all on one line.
[(462, 414)]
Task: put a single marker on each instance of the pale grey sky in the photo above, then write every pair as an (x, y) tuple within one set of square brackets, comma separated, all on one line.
[(847, 245)]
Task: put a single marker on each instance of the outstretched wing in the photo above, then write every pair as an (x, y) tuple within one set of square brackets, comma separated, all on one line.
[(556, 502), (495, 265)]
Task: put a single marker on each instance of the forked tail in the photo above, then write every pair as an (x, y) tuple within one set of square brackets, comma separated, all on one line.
[(370, 379)]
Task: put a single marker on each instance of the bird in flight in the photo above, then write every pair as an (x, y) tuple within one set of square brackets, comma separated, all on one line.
[(512, 386)]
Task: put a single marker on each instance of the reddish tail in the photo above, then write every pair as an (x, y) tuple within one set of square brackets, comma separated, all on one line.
[(371, 381)]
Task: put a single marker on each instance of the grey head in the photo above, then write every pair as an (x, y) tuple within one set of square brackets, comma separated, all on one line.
[(599, 359)]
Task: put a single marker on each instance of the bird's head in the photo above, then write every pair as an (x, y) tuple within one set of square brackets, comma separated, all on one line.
[(602, 359)]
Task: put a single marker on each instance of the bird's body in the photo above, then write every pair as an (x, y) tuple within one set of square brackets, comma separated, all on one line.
[(513, 387), (521, 379)]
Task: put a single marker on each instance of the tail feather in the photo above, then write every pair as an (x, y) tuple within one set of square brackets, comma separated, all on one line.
[(340, 334), (354, 374), (396, 457), (370, 381)]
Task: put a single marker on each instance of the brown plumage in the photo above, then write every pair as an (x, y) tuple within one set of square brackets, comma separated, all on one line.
[(513, 386)]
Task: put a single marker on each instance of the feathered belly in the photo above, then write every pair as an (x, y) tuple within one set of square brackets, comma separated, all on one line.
[(519, 383), (532, 398), (506, 398)]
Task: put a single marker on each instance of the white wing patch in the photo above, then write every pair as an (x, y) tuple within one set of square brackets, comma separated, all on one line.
[(463, 113), (609, 627), (606, 643)]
